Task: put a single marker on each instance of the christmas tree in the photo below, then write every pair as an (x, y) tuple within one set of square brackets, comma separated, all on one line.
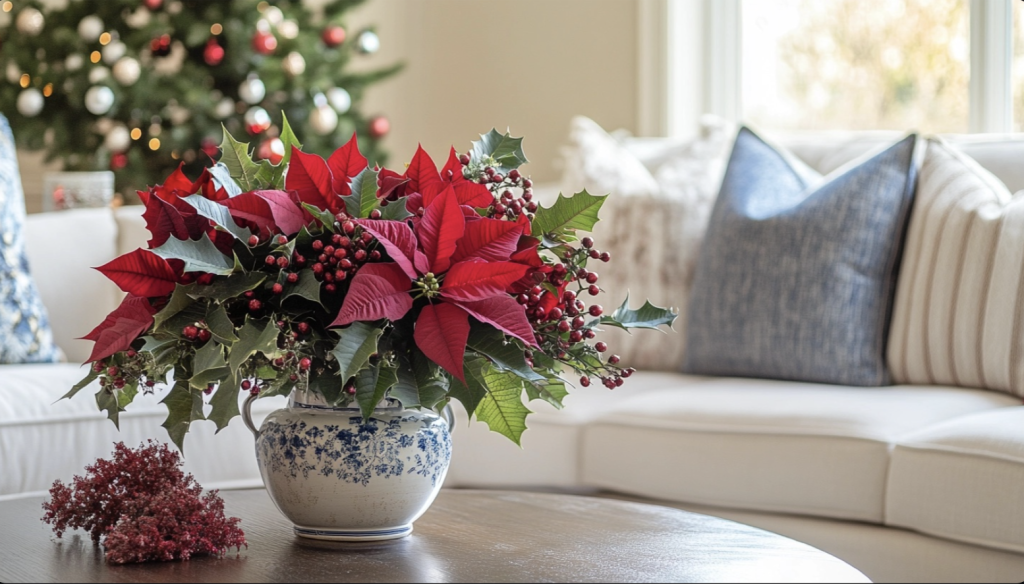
[(141, 86)]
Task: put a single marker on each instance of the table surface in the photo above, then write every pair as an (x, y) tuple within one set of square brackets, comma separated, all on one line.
[(466, 536)]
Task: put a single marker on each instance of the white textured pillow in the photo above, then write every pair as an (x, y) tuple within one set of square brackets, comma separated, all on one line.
[(959, 312), (652, 225)]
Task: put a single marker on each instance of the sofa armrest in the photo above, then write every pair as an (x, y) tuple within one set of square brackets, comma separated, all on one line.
[(131, 228), (62, 249)]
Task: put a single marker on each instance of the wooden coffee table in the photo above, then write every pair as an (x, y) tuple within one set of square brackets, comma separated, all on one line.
[(467, 536)]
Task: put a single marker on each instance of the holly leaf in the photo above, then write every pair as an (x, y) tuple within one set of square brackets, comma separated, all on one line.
[(199, 256), (372, 383), (420, 383), (224, 403), (228, 287), (395, 211), (180, 300), (89, 378), (107, 401), (221, 327), (501, 151), (647, 316), (254, 337), (551, 390), (568, 214), (236, 157), (307, 287), (363, 199), (219, 215), (184, 406), (502, 408), (326, 218), (141, 273), (507, 355), (354, 348), (209, 365), (470, 391)]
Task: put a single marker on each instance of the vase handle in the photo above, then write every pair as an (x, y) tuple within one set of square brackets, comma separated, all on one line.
[(449, 418), (247, 415)]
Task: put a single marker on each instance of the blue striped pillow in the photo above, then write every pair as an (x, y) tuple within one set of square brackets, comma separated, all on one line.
[(797, 272)]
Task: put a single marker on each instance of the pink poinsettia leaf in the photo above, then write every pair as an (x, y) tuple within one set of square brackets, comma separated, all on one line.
[(421, 171), (477, 280), (440, 230), (488, 239), (414, 203), (377, 291), (287, 216), (163, 221), (254, 211), (399, 241), (121, 327), (441, 333), (310, 178), (141, 273), (505, 314), (345, 163)]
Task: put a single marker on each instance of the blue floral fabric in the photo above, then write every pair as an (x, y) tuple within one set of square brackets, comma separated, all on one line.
[(25, 335), (797, 272)]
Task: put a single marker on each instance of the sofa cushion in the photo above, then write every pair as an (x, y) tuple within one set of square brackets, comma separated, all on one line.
[(960, 299), (44, 438), (25, 335), (797, 272), (76, 296), (766, 445), (962, 480)]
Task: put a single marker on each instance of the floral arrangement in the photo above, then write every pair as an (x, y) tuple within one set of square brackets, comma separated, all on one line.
[(359, 283), (143, 508)]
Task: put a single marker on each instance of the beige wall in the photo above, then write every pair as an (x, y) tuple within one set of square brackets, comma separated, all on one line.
[(525, 65)]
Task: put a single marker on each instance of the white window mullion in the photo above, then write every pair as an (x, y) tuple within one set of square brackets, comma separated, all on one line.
[(723, 69), (991, 96)]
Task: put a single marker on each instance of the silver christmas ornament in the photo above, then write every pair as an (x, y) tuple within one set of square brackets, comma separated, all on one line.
[(30, 102), (252, 90), (74, 62), (118, 139), (113, 51), (97, 74), (339, 99), (293, 64), (90, 28), (13, 72), (30, 22), (224, 108), (99, 99), (368, 42), (127, 71), (323, 120)]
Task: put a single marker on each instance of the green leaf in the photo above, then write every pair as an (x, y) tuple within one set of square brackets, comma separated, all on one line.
[(363, 199), (502, 408), (89, 378), (221, 327), (354, 348), (265, 176), (326, 218), (199, 256), (505, 150), (229, 287), (209, 365), (472, 391), (327, 384), (235, 155), (568, 213), (179, 301), (107, 401), (648, 316), (419, 385), (307, 287), (551, 390), (253, 337), (507, 355), (372, 383), (184, 406), (395, 211), (289, 139), (165, 356), (224, 403)]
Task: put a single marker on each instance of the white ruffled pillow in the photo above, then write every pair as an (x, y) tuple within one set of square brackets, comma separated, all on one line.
[(652, 225)]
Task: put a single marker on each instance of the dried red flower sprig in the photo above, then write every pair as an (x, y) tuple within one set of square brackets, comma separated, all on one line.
[(142, 507)]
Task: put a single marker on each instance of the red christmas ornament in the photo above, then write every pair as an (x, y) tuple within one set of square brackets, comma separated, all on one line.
[(160, 46), (264, 43), (379, 126), (257, 120), (213, 54), (333, 35), (118, 160), (209, 146), (153, 4), (271, 149)]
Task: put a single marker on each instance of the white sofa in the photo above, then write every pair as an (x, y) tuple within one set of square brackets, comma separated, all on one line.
[(905, 483)]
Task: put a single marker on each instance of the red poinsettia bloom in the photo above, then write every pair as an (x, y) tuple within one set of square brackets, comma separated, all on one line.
[(322, 183), (461, 267), (423, 183)]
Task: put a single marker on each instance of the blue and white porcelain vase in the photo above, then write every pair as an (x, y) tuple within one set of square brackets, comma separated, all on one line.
[(337, 477)]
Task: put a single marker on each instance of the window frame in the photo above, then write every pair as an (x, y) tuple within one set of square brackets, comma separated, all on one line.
[(678, 81)]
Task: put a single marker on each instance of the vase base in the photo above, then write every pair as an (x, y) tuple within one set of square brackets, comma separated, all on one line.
[(353, 535)]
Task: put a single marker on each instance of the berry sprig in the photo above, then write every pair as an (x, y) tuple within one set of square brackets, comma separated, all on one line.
[(513, 193)]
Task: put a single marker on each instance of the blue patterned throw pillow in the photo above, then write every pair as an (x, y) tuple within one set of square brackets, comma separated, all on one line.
[(797, 272), (25, 335)]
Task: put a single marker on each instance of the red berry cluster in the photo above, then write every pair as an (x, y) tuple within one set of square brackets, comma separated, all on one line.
[(507, 203), (125, 368), (145, 507)]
